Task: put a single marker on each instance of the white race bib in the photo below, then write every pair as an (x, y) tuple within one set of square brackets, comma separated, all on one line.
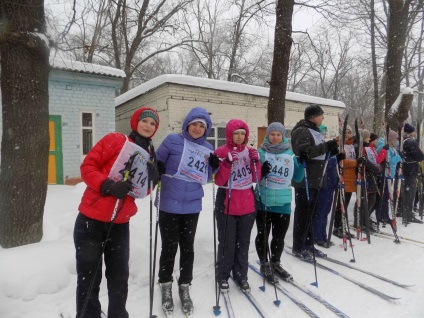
[(282, 168), (138, 174), (319, 139), (241, 177), (350, 151), (194, 163)]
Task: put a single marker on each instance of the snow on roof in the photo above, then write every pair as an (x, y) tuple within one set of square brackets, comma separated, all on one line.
[(219, 85), (69, 65)]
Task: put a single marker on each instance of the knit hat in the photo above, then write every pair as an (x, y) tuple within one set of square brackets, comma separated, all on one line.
[(373, 137), (408, 128), (141, 113), (313, 111), (366, 133), (198, 120), (393, 135), (276, 126), (349, 128)]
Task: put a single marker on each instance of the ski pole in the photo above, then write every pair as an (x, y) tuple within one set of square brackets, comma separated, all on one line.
[(155, 243), (216, 308), (277, 302)]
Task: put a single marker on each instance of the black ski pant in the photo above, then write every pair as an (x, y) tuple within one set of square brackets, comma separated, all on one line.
[(338, 216), (233, 241), (324, 204), (304, 215), (382, 203), (89, 238), (278, 223), (177, 230), (409, 195)]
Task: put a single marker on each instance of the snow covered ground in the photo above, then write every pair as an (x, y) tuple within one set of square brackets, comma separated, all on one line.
[(38, 280)]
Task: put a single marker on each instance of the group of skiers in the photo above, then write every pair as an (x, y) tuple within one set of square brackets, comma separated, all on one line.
[(120, 168)]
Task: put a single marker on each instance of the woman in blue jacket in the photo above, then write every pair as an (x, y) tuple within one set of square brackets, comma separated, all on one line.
[(279, 166), (186, 162)]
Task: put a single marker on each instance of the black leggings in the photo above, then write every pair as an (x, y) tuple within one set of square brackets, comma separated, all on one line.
[(177, 230), (280, 223)]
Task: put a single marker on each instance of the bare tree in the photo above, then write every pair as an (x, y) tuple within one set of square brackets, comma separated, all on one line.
[(24, 51), (280, 65)]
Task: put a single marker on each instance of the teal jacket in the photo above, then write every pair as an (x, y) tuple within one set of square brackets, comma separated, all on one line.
[(278, 200)]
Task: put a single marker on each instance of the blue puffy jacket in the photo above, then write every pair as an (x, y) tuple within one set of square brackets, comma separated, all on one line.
[(176, 195)]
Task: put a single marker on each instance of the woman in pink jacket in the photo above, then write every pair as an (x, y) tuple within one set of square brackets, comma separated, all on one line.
[(235, 210)]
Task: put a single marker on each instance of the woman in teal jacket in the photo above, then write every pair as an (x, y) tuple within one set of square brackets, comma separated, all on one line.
[(273, 201)]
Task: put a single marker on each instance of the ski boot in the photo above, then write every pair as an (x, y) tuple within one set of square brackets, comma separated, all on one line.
[(243, 285), (167, 302), (281, 272), (267, 273), (224, 286), (186, 303)]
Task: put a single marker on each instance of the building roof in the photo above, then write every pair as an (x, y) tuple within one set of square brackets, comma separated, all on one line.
[(88, 68), (219, 85)]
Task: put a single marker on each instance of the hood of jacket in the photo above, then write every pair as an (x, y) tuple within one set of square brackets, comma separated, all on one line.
[(197, 112), (232, 126)]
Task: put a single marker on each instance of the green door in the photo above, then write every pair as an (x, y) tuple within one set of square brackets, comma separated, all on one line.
[(55, 150)]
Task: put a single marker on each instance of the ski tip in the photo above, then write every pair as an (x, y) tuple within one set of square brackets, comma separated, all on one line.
[(262, 288), (277, 303), (217, 310)]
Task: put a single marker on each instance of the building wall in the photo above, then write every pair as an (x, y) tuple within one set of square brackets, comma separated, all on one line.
[(174, 101), (71, 94)]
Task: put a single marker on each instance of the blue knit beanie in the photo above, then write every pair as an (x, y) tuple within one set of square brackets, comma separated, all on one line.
[(276, 126)]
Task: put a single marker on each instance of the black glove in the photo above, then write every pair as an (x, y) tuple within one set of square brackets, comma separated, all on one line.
[(266, 168), (386, 147), (303, 158), (153, 173), (332, 147), (340, 156), (361, 161), (117, 189), (161, 167), (213, 161)]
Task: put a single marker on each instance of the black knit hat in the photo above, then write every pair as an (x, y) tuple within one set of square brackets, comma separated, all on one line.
[(313, 111), (373, 136), (408, 128)]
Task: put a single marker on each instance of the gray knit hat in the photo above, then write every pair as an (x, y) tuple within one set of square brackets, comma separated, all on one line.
[(276, 126)]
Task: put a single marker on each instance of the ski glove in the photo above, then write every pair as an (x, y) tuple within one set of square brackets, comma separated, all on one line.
[(386, 147), (253, 155), (265, 169), (332, 147), (361, 160), (232, 156), (340, 156), (161, 167), (303, 158), (213, 161), (118, 189), (153, 173)]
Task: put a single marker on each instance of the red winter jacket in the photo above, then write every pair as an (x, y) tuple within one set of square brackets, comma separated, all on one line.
[(242, 201), (94, 170)]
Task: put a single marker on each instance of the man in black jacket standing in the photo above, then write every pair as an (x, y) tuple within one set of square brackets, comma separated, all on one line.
[(311, 149), (412, 156)]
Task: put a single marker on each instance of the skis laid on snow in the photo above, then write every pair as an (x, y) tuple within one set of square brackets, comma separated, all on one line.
[(335, 261), (252, 300), (362, 285), (389, 235), (228, 304), (301, 305)]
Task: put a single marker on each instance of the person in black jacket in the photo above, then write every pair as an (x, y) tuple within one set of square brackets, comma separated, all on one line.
[(309, 146), (412, 156)]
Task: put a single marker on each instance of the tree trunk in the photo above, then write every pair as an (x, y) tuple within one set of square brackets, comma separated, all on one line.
[(378, 111), (25, 68), (280, 64), (398, 18)]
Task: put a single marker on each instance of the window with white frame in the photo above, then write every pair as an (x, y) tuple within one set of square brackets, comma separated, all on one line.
[(217, 137), (87, 132)]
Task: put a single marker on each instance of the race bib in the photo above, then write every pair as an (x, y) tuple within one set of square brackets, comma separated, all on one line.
[(135, 156), (194, 163), (241, 176), (371, 155), (319, 139), (282, 168), (350, 151)]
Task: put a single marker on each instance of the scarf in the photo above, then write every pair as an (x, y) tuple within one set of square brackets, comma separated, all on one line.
[(278, 148)]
